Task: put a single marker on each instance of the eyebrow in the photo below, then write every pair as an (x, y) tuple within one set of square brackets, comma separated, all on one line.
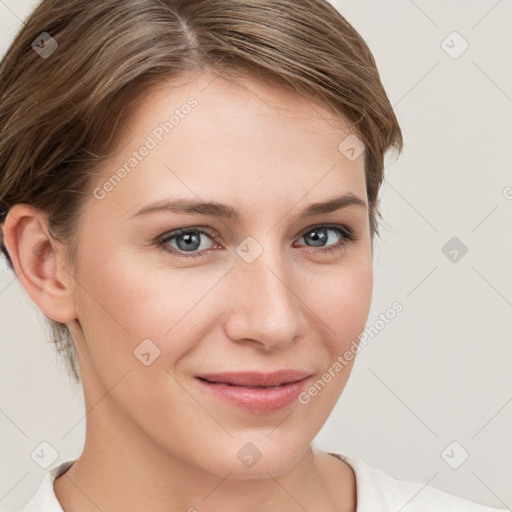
[(214, 209)]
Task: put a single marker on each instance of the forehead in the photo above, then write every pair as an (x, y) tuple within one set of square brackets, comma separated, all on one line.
[(214, 139), (242, 100)]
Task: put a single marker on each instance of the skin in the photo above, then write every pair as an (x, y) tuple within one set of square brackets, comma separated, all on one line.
[(155, 440)]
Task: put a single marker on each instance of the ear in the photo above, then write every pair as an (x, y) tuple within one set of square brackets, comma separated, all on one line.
[(38, 260)]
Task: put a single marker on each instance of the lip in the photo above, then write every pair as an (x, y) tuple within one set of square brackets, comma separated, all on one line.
[(277, 389)]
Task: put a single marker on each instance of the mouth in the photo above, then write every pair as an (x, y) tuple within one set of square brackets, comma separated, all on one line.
[(256, 392)]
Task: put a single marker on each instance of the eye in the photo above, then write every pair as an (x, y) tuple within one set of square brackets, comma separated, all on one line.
[(188, 240), (320, 235)]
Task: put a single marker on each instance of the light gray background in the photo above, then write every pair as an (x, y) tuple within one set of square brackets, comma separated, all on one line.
[(440, 371)]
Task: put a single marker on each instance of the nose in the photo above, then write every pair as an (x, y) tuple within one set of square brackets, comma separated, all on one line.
[(266, 310)]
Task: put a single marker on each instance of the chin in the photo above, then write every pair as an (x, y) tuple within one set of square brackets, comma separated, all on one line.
[(257, 459)]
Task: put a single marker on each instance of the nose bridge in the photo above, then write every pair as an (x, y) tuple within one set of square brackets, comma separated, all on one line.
[(266, 308)]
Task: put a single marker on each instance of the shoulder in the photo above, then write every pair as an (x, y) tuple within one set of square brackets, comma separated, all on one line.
[(44, 500), (376, 490)]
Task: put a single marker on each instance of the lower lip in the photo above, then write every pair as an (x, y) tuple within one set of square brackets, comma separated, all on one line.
[(260, 400)]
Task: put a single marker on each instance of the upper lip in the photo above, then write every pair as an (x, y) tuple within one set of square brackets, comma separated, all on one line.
[(256, 378)]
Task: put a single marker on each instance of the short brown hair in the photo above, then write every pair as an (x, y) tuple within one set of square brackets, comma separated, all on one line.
[(58, 115)]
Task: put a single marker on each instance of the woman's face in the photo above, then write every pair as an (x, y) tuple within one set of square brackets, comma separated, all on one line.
[(270, 289)]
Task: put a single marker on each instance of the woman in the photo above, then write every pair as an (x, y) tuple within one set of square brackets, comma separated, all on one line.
[(190, 193)]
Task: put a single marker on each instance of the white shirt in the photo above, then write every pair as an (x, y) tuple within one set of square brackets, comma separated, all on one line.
[(376, 492)]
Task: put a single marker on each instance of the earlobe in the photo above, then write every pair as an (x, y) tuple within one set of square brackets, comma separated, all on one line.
[(39, 262)]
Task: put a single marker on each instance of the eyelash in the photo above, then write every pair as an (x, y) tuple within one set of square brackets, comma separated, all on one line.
[(348, 237)]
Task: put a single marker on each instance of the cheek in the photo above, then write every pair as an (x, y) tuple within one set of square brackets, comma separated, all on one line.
[(341, 304), (341, 297), (122, 304)]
